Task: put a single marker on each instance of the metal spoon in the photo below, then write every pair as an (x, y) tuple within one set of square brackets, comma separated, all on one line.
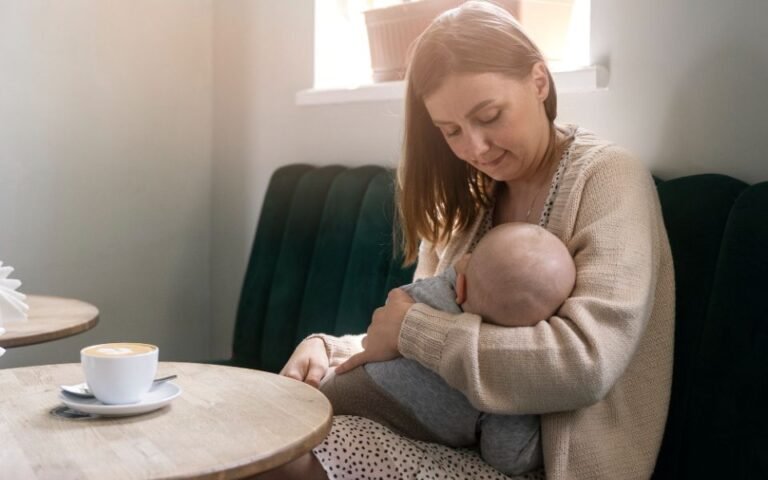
[(81, 390)]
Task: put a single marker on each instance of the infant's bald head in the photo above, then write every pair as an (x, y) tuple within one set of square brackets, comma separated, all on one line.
[(518, 275)]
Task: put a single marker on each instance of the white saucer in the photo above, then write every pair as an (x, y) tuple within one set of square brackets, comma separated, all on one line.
[(158, 397)]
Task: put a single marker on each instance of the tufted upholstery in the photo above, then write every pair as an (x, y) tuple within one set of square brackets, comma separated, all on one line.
[(322, 262), (718, 230)]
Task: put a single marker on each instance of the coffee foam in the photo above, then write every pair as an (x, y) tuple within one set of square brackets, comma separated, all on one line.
[(118, 349)]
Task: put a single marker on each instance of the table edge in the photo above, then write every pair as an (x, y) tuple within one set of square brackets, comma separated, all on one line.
[(263, 464), (249, 467), (49, 336), (55, 335)]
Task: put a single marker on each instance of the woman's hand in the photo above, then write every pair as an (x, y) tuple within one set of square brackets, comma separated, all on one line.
[(380, 343), (308, 363)]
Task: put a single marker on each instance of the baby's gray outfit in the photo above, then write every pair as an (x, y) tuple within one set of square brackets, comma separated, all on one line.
[(509, 443)]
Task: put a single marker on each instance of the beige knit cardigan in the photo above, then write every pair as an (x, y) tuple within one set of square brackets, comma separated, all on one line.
[(599, 372)]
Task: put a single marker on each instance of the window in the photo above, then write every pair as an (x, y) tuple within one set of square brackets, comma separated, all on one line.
[(342, 55)]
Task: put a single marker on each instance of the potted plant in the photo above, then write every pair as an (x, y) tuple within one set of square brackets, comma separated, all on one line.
[(391, 30)]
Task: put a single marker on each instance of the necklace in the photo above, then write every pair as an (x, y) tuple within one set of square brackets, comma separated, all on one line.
[(538, 192), (548, 179), (530, 207)]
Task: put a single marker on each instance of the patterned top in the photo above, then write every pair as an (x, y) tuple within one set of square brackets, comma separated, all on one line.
[(487, 222)]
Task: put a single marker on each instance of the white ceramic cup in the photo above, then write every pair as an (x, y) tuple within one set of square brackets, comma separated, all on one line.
[(119, 373)]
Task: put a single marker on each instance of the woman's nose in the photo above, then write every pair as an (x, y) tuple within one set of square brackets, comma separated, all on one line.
[(478, 145)]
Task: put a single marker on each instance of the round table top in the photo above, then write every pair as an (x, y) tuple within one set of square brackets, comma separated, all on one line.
[(228, 423), (50, 318)]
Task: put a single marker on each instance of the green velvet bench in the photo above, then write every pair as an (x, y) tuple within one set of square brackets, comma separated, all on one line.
[(323, 260)]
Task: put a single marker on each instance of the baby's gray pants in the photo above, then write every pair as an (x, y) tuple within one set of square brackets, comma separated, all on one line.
[(509, 443)]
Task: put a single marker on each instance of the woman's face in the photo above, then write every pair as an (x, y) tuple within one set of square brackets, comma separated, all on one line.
[(494, 122)]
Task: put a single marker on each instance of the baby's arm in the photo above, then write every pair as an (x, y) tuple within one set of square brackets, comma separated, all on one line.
[(437, 292)]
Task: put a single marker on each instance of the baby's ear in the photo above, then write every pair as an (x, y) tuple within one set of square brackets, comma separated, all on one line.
[(461, 288)]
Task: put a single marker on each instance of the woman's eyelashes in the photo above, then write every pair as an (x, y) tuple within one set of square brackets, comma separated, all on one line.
[(451, 133), (483, 120), (488, 119)]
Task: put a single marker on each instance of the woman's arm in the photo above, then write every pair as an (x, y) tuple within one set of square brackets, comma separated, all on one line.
[(573, 359)]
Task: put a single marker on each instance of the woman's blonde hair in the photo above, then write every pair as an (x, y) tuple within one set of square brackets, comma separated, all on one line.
[(437, 193)]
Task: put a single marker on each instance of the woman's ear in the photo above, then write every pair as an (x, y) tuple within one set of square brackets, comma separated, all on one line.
[(461, 288), (540, 80)]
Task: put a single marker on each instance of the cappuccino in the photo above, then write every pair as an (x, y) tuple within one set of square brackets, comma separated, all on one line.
[(118, 349), (119, 373)]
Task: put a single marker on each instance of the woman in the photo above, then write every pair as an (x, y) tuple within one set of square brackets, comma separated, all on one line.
[(481, 148)]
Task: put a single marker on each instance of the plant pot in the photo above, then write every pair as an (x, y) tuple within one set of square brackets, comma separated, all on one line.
[(392, 30)]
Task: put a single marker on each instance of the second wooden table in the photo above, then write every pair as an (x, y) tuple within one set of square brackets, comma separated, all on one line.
[(50, 318)]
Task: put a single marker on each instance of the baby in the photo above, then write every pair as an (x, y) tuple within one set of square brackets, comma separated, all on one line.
[(518, 275)]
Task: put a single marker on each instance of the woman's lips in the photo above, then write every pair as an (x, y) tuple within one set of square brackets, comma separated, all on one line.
[(493, 163)]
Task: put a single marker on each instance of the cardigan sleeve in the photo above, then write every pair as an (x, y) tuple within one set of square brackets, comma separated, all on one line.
[(341, 348), (573, 359)]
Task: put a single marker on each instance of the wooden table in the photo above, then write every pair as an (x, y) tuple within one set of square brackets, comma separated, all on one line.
[(50, 318), (227, 423)]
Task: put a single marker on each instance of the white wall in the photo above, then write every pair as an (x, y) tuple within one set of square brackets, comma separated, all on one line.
[(687, 87), (105, 166), (137, 139), (264, 55), (687, 94)]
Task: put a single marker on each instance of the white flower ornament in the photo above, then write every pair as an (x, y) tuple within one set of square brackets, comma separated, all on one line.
[(13, 308)]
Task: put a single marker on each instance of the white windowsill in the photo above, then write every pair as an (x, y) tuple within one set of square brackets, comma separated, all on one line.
[(582, 79)]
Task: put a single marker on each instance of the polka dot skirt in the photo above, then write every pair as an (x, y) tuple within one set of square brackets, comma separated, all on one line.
[(360, 449)]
